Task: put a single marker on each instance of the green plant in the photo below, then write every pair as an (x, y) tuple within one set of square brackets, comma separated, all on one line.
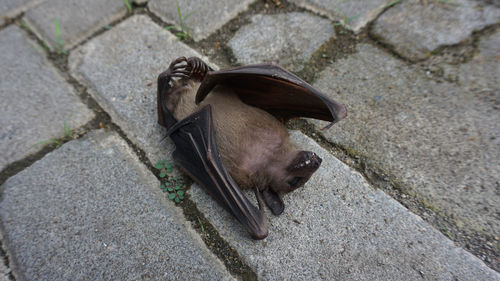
[(201, 225), (57, 142), (171, 184), (183, 32), (60, 44), (53, 142), (128, 5), (345, 19), (67, 130)]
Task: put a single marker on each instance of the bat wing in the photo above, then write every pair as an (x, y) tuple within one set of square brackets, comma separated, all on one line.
[(196, 152), (272, 88)]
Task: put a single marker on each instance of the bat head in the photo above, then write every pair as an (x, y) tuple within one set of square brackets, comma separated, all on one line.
[(297, 171)]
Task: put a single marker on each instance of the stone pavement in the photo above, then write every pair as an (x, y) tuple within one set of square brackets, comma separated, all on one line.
[(409, 187)]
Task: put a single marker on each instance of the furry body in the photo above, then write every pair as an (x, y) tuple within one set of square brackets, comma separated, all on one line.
[(254, 146)]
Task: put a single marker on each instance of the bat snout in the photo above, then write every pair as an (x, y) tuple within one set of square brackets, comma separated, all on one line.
[(307, 161)]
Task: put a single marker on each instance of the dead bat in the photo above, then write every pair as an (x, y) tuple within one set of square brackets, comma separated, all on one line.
[(226, 129)]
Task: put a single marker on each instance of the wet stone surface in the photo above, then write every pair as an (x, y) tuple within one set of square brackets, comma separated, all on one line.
[(415, 29), (441, 141), (120, 67), (201, 17), (338, 228), (91, 210), (77, 19), (283, 38), (37, 103), (355, 14)]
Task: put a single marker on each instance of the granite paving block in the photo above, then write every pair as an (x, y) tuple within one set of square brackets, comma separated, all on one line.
[(201, 17), (35, 101), (338, 228), (414, 29), (77, 19), (4, 269), (91, 211), (442, 142), (288, 39), (120, 68), (483, 71), (12, 8), (355, 14)]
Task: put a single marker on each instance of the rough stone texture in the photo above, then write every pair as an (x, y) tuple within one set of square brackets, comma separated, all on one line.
[(201, 17), (4, 270), (91, 211), (120, 67), (77, 19), (441, 141), (355, 14), (338, 228), (12, 8), (483, 71), (35, 101), (414, 29), (283, 38)]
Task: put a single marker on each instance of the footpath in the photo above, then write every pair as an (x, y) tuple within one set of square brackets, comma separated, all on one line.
[(409, 187)]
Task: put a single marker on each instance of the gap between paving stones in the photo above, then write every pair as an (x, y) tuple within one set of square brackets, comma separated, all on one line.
[(209, 235)]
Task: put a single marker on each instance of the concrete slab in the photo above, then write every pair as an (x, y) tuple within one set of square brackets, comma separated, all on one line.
[(354, 14), (269, 38), (414, 29), (77, 19), (120, 68), (441, 141), (13, 8), (91, 211), (338, 228), (35, 101), (201, 17)]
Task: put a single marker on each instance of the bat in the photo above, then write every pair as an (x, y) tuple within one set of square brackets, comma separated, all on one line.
[(228, 130)]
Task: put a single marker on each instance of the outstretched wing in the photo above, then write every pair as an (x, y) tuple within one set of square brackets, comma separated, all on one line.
[(196, 152), (272, 88)]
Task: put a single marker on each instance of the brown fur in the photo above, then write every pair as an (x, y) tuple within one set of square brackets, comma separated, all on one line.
[(254, 146)]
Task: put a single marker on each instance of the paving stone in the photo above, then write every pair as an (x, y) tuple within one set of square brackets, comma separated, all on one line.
[(355, 14), (483, 71), (282, 38), (415, 29), (201, 17), (338, 228), (77, 19), (441, 141), (36, 102), (120, 68), (12, 8), (91, 211)]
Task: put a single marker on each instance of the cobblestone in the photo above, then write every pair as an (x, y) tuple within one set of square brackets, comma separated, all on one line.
[(200, 17), (120, 67), (74, 26), (91, 210), (439, 139), (415, 29), (270, 38), (338, 228), (36, 101)]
